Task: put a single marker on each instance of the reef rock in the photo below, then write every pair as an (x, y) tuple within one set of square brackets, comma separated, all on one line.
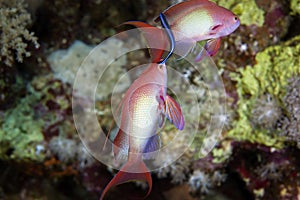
[(66, 63)]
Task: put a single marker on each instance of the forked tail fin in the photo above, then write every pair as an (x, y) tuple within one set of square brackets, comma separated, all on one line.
[(123, 176)]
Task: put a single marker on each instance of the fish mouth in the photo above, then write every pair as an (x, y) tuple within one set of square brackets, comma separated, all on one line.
[(236, 25), (232, 28)]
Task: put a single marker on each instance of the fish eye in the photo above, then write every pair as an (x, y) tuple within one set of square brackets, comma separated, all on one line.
[(235, 18)]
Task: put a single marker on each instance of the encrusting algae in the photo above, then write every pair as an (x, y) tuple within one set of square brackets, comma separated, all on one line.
[(270, 75), (247, 10)]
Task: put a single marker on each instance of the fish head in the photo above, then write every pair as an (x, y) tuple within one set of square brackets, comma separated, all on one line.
[(225, 22), (162, 73), (155, 73), (162, 70), (231, 23)]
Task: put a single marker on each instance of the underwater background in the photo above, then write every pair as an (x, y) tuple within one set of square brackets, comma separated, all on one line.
[(41, 155)]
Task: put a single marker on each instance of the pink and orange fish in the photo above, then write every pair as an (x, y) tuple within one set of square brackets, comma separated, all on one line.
[(144, 108), (192, 21), (146, 103)]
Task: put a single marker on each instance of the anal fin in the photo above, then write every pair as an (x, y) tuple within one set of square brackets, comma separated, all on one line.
[(152, 147)]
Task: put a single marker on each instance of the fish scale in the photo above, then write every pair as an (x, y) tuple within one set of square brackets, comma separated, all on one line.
[(145, 116)]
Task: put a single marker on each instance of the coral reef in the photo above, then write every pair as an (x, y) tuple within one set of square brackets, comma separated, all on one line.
[(68, 150), (275, 65), (256, 153), (64, 148), (266, 112), (21, 134), (206, 176), (200, 181), (178, 171), (15, 36), (267, 173), (65, 65), (36, 118), (289, 125), (295, 7)]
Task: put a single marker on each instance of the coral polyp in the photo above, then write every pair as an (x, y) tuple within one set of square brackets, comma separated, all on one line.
[(266, 112)]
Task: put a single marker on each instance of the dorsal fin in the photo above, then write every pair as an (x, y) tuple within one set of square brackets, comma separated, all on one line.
[(154, 36), (182, 7)]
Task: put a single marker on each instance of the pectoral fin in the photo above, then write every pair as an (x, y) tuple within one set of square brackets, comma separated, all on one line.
[(173, 112), (210, 49)]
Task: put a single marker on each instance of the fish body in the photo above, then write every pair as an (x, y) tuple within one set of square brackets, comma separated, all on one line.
[(192, 21), (197, 20), (144, 107), (141, 110), (200, 20)]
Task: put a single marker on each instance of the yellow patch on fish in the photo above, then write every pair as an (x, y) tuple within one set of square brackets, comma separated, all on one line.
[(193, 26)]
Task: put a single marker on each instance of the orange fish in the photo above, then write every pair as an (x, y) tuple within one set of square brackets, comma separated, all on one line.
[(195, 20), (144, 108)]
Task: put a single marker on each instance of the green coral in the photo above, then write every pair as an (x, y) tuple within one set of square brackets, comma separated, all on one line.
[(274, 66), (21, 133), (247, 10), (23, 128), (295, 7)]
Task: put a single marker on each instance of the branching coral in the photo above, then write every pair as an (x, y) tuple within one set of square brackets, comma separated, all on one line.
[(178, 170), (206, 176), (70, 150), (202, 182), (14, 20)]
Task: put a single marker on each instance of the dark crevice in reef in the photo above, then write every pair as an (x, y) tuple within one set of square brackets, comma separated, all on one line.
[(294, 28)]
